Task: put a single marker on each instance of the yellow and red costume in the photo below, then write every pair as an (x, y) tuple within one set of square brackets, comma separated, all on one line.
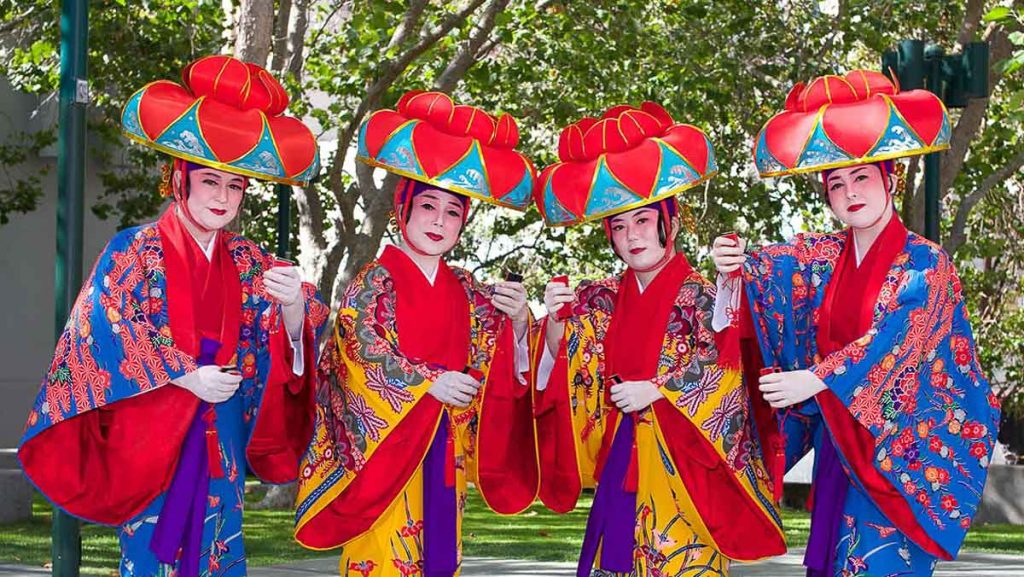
[(386, 475), (681, 484)]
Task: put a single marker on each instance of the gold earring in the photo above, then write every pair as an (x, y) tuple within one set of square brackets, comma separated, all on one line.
[(687, 218), (166, 189), (901, 177)]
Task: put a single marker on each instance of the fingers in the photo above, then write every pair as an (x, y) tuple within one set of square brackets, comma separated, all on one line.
[(507, 304), (770, 379), (273, 287), (465, 391), (724, 241), (557, 295), (281, 273), (510, 289), (282, 284), (464, 379), (557, 288), (461, 399), (729, 260)]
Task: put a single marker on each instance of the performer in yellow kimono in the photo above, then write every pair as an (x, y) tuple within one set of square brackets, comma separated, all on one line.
[(421, 388), (636, 394)]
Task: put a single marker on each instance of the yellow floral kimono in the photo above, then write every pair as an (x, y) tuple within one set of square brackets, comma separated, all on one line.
[(366, 475), (695, 482)]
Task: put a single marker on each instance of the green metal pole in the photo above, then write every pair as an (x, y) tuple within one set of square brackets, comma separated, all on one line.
[(284, 219), (933, 72), (74, 95)]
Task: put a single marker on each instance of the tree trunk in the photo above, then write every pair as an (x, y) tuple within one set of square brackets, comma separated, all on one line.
[(255, 31), (280, 39), (278, 497)]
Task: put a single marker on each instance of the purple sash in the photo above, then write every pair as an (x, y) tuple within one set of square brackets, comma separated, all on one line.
[(830, 487), (440, 545), (181, 520), (613, 516)]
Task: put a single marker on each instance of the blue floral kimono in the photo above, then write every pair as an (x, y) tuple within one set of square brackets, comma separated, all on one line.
[(110, 440), (908, 421)]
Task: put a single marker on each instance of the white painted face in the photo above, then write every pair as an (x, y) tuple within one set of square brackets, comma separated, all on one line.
[(435, 221), (857, 194), (214, 196), (635, 237)]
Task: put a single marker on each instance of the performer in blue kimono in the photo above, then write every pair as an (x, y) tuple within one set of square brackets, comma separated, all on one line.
[(189, 357), (866, 344)]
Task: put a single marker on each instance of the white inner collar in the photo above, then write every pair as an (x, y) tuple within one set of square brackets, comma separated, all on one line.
[(210, 246)]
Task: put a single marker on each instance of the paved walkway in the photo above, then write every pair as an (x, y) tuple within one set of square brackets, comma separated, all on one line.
[(969, 565)]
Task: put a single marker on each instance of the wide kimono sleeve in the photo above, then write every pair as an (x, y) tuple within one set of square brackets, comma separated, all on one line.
[(783, 287), (705, 422), (570, 410), (283, 426), (909, 408), (95, 467), (374, 419), (503, 458)]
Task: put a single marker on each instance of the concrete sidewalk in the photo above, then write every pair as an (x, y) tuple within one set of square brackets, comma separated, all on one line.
[(969, 565), (790, 565)]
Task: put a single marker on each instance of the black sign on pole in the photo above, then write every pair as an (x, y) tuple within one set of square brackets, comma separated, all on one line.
[(954, 78)]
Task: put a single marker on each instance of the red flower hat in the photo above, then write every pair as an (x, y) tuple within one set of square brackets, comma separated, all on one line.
[(455, 147), (228, 115), (628, 158), (838, 121)]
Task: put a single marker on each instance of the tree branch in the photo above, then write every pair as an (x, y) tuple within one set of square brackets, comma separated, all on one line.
[(499, 258), (389, 71), (958, 235), (973, 12), (970, 122), (255, 27), (280, 39), (409, 22), (467, 54), (344, 7), (297, 37)]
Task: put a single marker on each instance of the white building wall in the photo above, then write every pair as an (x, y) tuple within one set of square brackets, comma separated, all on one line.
[(28, 248)]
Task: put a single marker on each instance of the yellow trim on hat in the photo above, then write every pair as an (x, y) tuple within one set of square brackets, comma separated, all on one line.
[(431, 181), (212, 163), (618, 210), (855, 161)]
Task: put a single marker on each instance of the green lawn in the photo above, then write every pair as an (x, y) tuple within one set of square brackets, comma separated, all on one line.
[(535, 534)]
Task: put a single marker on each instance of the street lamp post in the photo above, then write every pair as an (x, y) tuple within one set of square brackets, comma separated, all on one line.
[(284, 219), (74, 95), (954, 78)]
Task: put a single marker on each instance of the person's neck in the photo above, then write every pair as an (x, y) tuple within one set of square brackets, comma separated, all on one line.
[(427, 262), (647, 276), (866, 237), (202, 236)]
